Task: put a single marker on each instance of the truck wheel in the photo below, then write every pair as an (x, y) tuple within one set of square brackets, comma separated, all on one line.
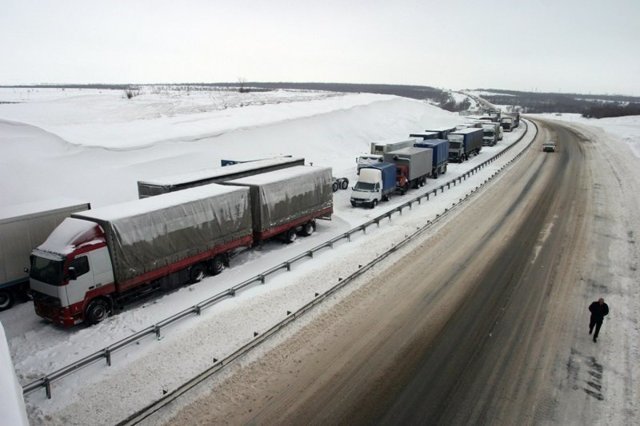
[(216, 266), (6, 299), (308, 229), (353, 204), (97, 311), (345, 183), (374, 203), (290, 236), (445, 169), (335, 186), (196, 273), (435, 174)]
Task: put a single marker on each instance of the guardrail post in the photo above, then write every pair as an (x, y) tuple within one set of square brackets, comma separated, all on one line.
[(107, 355), (157, 331), (47, 387), (262, 278), (310, 254), (348, 236), (288, 266)]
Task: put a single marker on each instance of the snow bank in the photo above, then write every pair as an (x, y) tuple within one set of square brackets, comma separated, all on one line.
[(11, 402), (328, 132)]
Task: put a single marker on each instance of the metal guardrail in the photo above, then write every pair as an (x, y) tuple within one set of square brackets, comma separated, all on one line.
[(155, 330)]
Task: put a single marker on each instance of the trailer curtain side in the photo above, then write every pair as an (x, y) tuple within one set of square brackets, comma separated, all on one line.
[(148, 234)]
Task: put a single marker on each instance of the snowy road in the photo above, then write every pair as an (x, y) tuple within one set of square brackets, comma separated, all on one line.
[(482, 321)]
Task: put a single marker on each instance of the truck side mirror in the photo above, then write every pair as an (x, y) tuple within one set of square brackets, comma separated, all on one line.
[(72, 273), (26, 270)]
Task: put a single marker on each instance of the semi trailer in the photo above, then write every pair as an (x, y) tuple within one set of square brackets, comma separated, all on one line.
[(166, 184), (99, 260), (288, 202), (23, 227)]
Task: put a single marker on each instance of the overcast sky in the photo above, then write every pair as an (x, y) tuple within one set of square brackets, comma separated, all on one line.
[(585, 46)]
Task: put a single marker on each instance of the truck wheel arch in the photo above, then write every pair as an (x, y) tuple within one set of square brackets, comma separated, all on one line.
[(218, 263), (98, 309)]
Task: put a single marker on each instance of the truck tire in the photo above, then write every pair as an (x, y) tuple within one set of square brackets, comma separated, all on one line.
[(308, 228), (97, 311), (353, 204), (345, 183), (217, 265), (335, 186), (6, 299), (290, 236), (435, 174), (197, 273), (374, 203)]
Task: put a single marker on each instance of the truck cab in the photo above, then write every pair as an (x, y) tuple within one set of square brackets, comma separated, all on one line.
[(368, 189), (374, 184), (71, 273)]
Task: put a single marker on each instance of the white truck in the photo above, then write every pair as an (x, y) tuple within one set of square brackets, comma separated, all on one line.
[(374, 184), (23, 227)]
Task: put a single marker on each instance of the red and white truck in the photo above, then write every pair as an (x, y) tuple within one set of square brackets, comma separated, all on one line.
[(101, 259)]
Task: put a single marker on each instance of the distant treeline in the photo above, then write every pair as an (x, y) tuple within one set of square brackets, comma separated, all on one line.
[(415, 92), (596, 106)]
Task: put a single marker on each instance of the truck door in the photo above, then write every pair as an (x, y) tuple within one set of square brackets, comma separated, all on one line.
[(80, 280)]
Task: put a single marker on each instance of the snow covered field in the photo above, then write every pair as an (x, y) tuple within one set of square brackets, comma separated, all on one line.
[(95, 146)]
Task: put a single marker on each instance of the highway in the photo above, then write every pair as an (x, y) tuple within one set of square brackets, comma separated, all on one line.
[(479, 322)]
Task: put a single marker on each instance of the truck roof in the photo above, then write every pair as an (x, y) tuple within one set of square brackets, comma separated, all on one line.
[(407, 151), (466, 131), (19, 211), (440, 129), (159, 202), (211, 173), (278, 175), (422, 134)]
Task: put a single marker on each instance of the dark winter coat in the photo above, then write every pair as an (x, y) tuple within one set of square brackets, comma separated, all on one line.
[(598, 311)]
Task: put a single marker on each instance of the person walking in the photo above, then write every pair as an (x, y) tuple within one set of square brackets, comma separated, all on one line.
[(598, 310)]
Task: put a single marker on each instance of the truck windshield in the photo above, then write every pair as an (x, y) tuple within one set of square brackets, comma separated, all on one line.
[(454, 145), (364, 186), (46, 270), (456, 138)]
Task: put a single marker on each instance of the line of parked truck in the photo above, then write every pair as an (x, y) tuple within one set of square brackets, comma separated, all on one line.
[(179, 230), (400, 165), (86, 263)]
